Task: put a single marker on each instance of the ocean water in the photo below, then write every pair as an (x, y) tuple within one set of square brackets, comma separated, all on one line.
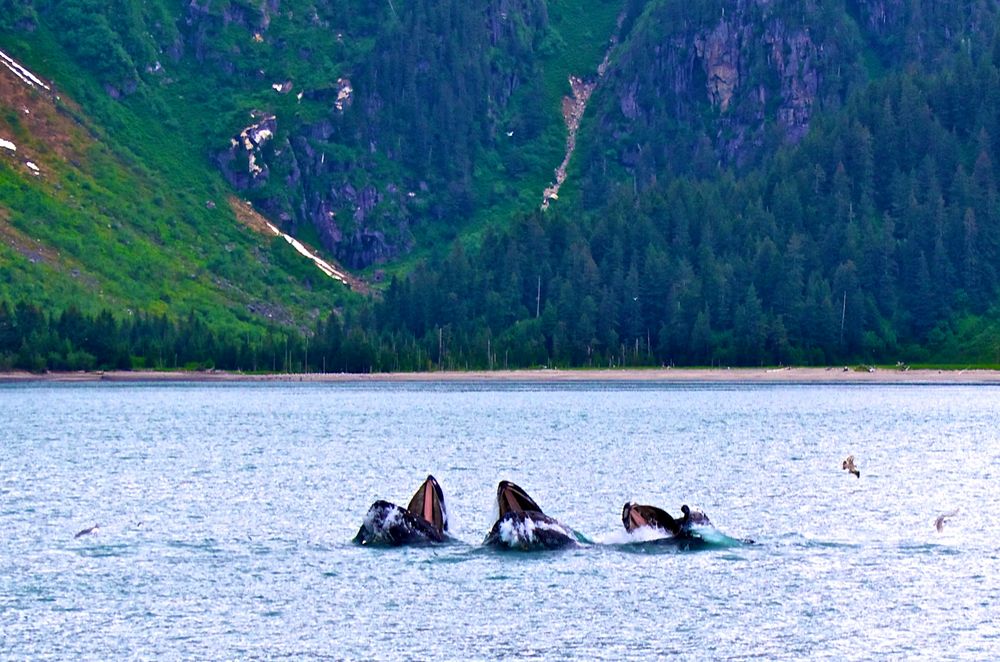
[(226, 514)]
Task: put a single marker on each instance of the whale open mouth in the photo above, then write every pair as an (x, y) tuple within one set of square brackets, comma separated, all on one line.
[(512, 499), (636, 515), (632, 518), (522, 525), (428, 503)]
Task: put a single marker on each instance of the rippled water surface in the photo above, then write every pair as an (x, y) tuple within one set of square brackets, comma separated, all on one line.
[(226, 514)]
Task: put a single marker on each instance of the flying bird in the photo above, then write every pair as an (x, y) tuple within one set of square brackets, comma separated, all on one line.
[(943, 519), (850, 468), (87, 530)]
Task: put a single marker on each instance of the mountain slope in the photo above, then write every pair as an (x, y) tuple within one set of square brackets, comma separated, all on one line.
[(97, 225), (753, 181), (756, 182)]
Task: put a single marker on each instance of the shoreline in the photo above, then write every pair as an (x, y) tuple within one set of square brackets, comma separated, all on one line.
[(638, 375)]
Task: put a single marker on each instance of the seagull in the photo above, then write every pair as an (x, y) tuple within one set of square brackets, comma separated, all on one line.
[(943, 519), (849, 466), (86, 531)]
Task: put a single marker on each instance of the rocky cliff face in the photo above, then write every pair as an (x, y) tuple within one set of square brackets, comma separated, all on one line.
[(725, 82), (728, 73), (401, 129), (719, 54), (797, 61)]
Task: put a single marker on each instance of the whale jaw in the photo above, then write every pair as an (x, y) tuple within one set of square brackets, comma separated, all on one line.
[(528, 531), (636, 515), (424, 521), (523, 526), (428, 504), (388, 525)]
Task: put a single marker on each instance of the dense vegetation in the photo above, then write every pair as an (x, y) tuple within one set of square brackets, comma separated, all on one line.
[(394, 123), (874, 238), (31, 339), (124, 217), (842, 206)]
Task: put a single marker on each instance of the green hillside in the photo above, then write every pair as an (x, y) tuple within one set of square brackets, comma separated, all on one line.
[(121, 198), (776, 182), (123, 217)]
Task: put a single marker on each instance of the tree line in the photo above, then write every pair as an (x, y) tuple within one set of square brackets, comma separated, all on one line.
[(876, 238), (36, 340)]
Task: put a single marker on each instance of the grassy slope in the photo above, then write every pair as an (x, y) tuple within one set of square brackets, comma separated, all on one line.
[(124, 214), (154, 176)]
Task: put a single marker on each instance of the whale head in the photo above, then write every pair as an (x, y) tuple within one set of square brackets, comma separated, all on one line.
[(635, 515), (522, 525), (428, 504), (512, 499)]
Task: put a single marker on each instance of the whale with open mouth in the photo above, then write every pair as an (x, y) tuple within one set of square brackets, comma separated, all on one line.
[(636, 516), (522, 525), (693, 530), (424, 520)]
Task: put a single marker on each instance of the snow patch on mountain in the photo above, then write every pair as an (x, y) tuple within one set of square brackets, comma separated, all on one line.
[(21, 72)]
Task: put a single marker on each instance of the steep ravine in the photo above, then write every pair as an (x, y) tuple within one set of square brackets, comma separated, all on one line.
[(573, 109)]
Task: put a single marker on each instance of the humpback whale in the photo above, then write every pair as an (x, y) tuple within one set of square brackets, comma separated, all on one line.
[(522, 525), (691, 531), (636, 515), (423, 521)]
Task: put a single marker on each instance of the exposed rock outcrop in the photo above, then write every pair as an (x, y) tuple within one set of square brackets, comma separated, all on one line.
[(794, 57), (730, 55), (205, 20), (344, 94), (245, 148), (572, 111), (719, 52), (721, 88), (399, 139), (573, 108)]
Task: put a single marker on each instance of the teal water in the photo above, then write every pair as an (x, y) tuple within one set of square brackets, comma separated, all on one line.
[(226, 513)]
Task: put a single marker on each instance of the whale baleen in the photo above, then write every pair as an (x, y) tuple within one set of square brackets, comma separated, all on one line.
[(423, 521), (522, 525), (635, 516), (691, 531)]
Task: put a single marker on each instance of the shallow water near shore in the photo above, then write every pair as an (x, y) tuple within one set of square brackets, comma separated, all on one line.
[(226, 513)]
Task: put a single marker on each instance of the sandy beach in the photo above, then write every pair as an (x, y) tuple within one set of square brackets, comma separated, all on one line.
[(701, 375)]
